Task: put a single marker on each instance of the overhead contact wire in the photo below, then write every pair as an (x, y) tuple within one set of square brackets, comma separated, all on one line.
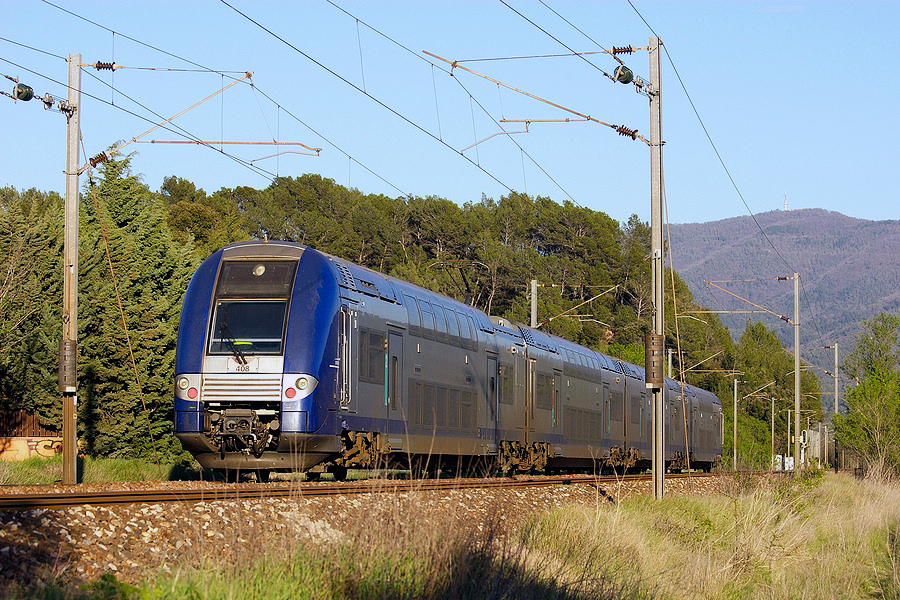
[(362, 91)]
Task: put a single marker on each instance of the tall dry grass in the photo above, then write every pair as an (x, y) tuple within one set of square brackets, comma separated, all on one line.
[(820, 537)]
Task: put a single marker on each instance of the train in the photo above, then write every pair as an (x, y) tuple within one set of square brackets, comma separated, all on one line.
[(290, 359)]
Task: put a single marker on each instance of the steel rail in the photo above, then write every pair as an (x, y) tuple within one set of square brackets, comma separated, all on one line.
[(64, 499)]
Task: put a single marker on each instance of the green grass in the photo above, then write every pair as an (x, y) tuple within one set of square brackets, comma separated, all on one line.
[(46, 471)]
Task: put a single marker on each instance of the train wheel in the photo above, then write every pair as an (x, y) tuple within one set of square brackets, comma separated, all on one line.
[(312, 476)]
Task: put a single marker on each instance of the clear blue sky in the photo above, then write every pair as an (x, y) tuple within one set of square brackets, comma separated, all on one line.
[(798, 97)]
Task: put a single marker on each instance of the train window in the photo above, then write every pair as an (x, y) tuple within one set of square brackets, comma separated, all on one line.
[(452, 326), (506, 384), (617, 406), (543, 397), (248, 327), (492, 395), (465, 336), (427, 319), (256, 279), (412, 312), (395, 381), (371, 356), (440, 326), (474, 331)]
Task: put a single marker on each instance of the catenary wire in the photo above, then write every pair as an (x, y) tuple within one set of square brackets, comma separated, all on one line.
[(227, 74), (360, 90), (467, 92), (725, 168)]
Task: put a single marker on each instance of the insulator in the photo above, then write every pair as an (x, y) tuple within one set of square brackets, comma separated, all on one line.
[(100, 158), (632, 133), (23, 92), (623, 74), (100, 66), (623, 50)]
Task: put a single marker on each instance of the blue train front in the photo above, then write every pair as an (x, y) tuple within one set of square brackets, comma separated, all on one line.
[(256, 365)]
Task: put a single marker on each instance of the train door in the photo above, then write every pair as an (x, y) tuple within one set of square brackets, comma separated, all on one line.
[(490, 413), (519, 394), (530, 390), (349, 360), (393, 380), (555, 408)]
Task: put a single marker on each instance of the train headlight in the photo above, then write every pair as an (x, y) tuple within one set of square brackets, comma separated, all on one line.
[(258, 270), (302, 383), (183, 383)]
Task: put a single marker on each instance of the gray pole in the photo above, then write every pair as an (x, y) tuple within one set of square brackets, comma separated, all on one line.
[(797, 465), (734, 424), (534, 320), (836, 378), (68, 349), (772, 458), (656, 235)]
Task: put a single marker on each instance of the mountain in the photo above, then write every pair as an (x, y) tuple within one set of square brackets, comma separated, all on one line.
[(849, 271)]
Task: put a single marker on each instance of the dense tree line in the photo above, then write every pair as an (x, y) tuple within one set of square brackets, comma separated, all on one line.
[(870, 427), (593, 273)]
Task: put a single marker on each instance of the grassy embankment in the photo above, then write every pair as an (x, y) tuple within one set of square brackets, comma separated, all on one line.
[(825, 536)]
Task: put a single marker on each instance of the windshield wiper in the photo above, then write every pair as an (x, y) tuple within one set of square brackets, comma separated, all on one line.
[(229, 339)]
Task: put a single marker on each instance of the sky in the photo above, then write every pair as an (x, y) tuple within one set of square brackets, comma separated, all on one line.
[(760, 100)]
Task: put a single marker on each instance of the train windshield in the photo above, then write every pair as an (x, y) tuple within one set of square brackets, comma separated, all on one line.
[(250, 307)]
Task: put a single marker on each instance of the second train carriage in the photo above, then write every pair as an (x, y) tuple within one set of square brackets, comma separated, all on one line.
[(292, 359)]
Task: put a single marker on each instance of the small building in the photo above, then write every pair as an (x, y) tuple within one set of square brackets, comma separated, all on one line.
[(22, 436)]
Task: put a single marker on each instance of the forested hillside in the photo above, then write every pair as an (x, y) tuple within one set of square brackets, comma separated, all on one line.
[(138, 249), (848, 267)]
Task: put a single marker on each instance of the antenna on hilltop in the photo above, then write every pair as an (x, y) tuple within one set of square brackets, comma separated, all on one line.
[(785, 201)]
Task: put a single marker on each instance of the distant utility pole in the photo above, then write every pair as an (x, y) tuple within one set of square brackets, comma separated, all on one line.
[(68, 346), (797, 464), (534, 321)]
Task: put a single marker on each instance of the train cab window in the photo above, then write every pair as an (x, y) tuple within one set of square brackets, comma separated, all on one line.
[(440, 326), (412, 312), (248, 327), (427, 319), (251, 306), (452, 327)]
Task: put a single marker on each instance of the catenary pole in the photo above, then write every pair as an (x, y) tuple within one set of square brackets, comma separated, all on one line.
[(797, 465), (656, 234), (68, 348)]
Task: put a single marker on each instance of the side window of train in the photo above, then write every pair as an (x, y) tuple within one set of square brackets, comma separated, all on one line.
[(452, 326), (474, 331), (440, 326), (427, 319), (544, 393), (412, 312), (371, 356), (506, 384)]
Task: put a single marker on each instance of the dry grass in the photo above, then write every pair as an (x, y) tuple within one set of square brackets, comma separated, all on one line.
[(831, 537)]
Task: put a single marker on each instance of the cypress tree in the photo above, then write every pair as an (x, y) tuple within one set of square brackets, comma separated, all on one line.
[(124, 405)]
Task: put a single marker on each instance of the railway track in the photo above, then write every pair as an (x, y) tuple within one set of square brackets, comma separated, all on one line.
[(51, 500)]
